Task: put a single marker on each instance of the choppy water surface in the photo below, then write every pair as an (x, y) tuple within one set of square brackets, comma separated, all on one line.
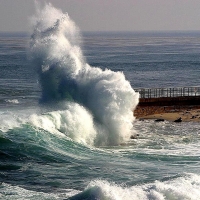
[(66, 114)]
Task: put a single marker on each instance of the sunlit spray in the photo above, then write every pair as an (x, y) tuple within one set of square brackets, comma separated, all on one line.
[(103, 99)]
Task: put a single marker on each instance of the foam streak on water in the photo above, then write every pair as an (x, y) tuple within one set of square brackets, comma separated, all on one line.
[(186, 187), (105, 97)]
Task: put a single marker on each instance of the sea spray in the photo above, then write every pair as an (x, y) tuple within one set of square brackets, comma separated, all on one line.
[(75, 120), (186, 187), (105, 96)]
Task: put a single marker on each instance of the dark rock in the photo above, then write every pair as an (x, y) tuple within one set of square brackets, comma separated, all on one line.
[(133, 137), (178, 120), (159, 120)]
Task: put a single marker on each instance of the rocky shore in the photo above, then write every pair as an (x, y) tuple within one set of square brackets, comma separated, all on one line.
[(171, 109), (187, 115)]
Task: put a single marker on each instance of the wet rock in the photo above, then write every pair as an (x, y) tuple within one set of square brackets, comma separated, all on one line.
[(178, 120), (141, 119), (134, 136), (159, 120)]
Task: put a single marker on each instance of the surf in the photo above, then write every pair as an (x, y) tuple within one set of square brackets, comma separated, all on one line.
[(102, 100), (185, 187)]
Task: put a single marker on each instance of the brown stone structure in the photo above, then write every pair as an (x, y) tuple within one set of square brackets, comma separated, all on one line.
[(150, 106)]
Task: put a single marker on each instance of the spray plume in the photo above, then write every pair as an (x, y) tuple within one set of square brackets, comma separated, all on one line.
[(104, 98)]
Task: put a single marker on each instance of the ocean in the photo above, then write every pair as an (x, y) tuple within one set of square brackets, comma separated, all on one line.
[(66, 101)]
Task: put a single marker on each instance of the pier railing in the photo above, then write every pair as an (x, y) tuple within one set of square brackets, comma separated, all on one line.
[(168, 92)]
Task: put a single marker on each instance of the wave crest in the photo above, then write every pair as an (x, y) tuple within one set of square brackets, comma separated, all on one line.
[(64, 75)]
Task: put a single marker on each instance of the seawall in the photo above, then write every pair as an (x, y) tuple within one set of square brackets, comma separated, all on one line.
[(150, 106)]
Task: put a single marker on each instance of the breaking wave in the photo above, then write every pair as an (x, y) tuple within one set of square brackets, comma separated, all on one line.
[(96, 103), (186, 187)]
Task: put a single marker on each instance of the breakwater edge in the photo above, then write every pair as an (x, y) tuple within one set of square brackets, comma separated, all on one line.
[(169, 103)]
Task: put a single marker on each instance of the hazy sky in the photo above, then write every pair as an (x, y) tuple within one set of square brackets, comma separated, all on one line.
[(109, 15)]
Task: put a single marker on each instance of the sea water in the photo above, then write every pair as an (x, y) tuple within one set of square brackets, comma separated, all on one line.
[(66, 101)]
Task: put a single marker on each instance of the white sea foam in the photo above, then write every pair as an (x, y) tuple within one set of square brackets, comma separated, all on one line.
[(10, 192), (186, 187), (10, 120), (105, 96), (75, 122), (14, 101)]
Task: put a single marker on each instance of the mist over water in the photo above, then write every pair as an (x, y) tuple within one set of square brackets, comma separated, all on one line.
[(102, 100)]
